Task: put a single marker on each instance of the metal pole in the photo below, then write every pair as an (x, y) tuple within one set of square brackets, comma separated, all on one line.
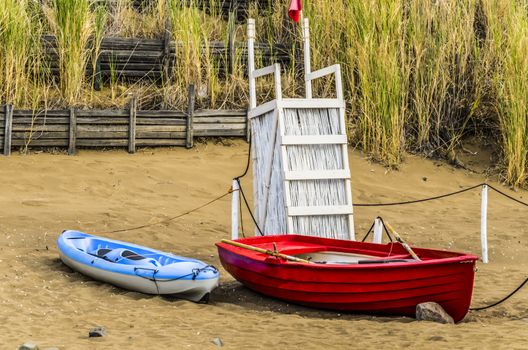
[(377, 231), (251, 63), (484, 224), (234, 210), (307, 64)]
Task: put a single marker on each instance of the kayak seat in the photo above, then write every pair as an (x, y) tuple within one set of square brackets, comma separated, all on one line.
[(125, 256)]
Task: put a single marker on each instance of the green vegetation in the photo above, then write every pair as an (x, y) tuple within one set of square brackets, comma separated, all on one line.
[(419, 75)]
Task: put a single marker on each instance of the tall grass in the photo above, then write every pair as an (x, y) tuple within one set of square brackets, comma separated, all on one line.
[(418, 75), (506, 51), (375, 35), (441, 46), (72, 22), (20, 58)]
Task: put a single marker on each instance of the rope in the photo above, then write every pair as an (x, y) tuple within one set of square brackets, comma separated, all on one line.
[(502, 300), (423, 199), (507, 195), (164, 221)]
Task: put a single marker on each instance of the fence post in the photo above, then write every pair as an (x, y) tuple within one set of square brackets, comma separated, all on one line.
[(484, 224), (8, 129), (132, 126), (190, 117), (378, 230), (234, 209), (231, 43), (73, 133), (166, 49), (98, 83)]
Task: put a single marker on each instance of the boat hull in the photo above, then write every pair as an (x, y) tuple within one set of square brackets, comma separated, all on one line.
[(390, 288)]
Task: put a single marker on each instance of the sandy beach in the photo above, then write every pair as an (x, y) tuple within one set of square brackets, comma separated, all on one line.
[(42, 300)]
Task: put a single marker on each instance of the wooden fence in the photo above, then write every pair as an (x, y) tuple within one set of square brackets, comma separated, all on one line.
[(130, 128), (153, 59)]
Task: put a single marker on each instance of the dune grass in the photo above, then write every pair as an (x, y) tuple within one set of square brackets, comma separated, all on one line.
[(419, 75)]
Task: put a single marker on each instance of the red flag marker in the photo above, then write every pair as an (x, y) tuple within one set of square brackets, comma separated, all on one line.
[(295, 10)]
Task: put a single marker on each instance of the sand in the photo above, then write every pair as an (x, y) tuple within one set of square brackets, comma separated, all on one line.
[(44, 301)]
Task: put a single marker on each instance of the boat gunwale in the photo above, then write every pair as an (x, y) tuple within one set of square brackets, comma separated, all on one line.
[(267, 259)]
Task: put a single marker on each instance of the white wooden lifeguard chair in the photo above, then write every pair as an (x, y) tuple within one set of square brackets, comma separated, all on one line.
[(301, 176)]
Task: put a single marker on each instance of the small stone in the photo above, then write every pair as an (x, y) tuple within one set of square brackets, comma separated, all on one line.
[(29, 346), (218, 342), (432, 312), (97, 332)]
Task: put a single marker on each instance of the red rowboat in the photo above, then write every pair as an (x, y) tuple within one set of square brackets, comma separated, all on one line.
[(353, 276)]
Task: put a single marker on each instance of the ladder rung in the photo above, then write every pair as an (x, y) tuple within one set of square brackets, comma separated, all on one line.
[(317, 175), (312, 211), (314, 140)]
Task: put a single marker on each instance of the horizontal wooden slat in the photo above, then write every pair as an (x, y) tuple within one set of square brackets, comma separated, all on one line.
[(314, 211), (239, 126), (220, 113), (219, 120), (108, 113), (314, 139), (317, 175), (160, 114), (158, 142), (40, 120), (39, 128), (102, 143), (102, 120), (220, 133), (41, 142)]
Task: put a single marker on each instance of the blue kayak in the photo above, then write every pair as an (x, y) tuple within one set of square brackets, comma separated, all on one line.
[(137, 268)]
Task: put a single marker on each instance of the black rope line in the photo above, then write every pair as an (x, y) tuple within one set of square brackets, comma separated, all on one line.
[(164, 221), (507, 195), (419, 200), (249, 208), (502, 300)]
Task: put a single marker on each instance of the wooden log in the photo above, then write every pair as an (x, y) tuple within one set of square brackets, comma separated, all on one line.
[(161, 114), (8, 112), (34, 135), (219, 120), (124, 134), (39, 120), (102, 142), (161, 135), (42, 142), (160, 121), (220, 113), (40, 128), (107, 113), (161, 142), (102, 121), (126, 128), (45, 113), (240, 126), (132, 126), (190, 115), (220, 133), (72, 133)]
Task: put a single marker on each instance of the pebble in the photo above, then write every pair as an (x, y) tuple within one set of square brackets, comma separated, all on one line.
[(97, 332), (29, 346), (218, 342)]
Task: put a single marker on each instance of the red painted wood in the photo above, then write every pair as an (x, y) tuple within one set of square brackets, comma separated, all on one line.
[(395, 288)]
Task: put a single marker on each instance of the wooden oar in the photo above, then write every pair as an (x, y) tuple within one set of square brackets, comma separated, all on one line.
[(266, 251), (402, 242)]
